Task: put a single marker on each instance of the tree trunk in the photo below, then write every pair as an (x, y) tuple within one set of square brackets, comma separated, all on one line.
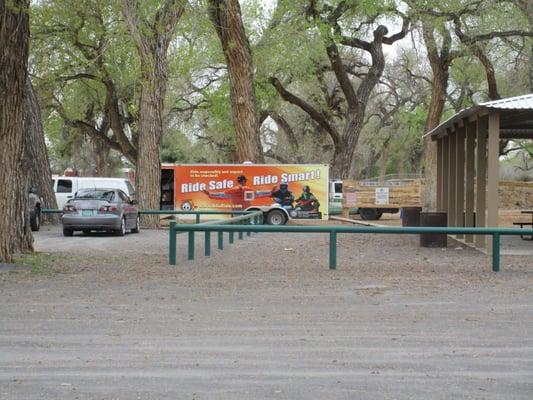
[(341, 164), (101, 157), (15, 234), (384, 157), (152, 41), (531, 64), (226, 17), (527, 7), (36, 154), (439, 89), (148, 169)]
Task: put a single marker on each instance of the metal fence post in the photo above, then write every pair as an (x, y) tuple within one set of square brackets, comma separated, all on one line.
[(221, 240), (172, 243), (496, 252), (207, 243), (197, 218), (190, 253), (333, 250), (230, 234), (241, 235)]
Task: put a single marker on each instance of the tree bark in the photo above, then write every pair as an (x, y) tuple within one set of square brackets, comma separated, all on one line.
[(127, 147), (15, 234), (526, 6), (440, 63), (36, 153), (226, 17), (152, 41), (341, 164), (101, 157), (148, 169)]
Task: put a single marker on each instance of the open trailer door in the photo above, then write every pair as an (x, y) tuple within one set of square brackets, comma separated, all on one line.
[(167, 188)]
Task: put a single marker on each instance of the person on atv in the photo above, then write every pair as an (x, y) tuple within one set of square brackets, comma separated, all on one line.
[(307, 200), (283, 196)]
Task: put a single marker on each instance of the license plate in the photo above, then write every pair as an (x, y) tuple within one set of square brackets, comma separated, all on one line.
[(87, 213)]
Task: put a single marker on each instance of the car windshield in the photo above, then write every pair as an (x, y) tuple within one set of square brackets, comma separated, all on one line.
[(95, 194)]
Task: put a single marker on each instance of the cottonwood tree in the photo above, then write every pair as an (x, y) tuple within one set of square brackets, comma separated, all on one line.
[(91, 84), (15, 234), (526, 6), (152, 39), (328, 20), (227, 20), (437, 24)]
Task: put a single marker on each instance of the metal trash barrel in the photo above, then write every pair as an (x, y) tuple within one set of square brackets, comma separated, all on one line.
[(433, 239), (410, 216)]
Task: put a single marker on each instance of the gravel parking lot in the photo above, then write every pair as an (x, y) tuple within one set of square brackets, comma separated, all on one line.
[(265, 319)]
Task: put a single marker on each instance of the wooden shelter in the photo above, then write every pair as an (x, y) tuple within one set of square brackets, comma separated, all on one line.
[(468, 148)]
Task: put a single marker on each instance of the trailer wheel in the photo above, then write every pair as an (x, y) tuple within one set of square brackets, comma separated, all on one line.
[(370, 214), (276, 217)]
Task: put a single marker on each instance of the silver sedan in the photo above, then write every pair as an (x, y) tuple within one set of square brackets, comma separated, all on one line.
[(100, 210)]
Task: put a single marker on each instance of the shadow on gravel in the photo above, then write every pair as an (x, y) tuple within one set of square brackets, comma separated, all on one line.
[(5, 267)]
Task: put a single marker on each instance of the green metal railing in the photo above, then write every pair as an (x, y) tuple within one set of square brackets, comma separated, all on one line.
[(51, 211), (255, 218), (197, 214), (333, 232)]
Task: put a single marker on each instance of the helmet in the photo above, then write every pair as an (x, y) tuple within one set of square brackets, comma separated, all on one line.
[(306, 188), (241, 179), (283, 185)]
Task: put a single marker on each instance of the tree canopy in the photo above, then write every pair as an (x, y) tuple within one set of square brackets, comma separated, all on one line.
[(350, 83)]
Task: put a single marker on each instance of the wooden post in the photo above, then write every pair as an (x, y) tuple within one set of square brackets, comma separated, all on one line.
[(452, 179), (493, 171), (470, 165), (460, 178), (440, 161), (445, 172), (345, 212), (481, 177)]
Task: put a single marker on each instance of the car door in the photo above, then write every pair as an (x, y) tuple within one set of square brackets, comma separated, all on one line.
[(64, 191)]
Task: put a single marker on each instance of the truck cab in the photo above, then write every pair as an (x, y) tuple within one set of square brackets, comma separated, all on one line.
[(335, 190)]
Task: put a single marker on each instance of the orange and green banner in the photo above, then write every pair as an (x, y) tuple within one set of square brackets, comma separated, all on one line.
[(227, 187)]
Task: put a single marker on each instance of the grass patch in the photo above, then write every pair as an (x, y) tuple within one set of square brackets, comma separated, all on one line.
[(39, 263)]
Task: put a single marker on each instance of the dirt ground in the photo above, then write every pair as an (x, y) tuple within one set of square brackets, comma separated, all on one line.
[(107, 318)]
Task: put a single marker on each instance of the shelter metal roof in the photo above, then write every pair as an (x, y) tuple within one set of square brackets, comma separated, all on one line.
[(511, 103), (516, 116)]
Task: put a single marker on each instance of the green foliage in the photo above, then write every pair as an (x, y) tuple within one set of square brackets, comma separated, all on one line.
[(90, 37)]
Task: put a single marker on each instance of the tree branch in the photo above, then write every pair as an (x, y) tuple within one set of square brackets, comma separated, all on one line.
[(400, 35), (342, 76), (315, 115)]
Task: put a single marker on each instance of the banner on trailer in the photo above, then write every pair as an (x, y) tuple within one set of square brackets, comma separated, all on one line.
[(237, 187)]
